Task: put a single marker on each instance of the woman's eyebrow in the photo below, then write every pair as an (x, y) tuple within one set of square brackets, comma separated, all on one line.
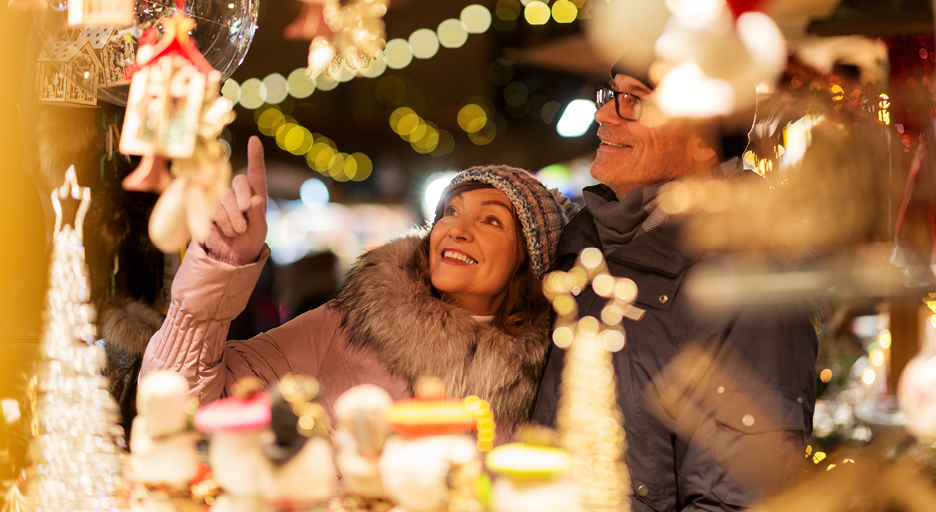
[(498, 203)]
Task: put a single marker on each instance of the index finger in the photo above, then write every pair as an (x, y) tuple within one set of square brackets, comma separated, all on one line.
[(256, 169)]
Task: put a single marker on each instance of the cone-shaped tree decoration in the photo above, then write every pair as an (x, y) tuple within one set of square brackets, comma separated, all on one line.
[(589, 420), (75, 452)]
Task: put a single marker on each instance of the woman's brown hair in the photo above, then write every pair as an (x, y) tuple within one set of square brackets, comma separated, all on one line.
[(524, 303)]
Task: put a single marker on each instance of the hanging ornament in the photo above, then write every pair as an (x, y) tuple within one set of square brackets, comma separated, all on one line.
[(76, 450), (90, 13), (69, 73), (357, 34), (175, 112), (115, 49), (589, 420)]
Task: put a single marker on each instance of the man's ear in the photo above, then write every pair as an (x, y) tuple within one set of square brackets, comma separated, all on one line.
[(701, 150)]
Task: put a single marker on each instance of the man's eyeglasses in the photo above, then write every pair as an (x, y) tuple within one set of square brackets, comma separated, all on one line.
[(628, 106)]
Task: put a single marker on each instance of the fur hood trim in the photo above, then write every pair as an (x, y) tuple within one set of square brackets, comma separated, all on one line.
[(128, 325), (386, 309)]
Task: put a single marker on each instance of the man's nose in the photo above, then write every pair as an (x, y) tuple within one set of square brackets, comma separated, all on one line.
[(607, 114)]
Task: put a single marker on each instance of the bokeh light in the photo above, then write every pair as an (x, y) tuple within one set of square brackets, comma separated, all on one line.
[(364, 166), (252, 93), (564, 11), (300, 86), (398, 53), (485, 135), (432, 191), (536, 13), (325, 82), (516, 94), (396, 118), (424, 43), (884, 339), (376, 67), (868, 376), (472, 118), (277, 89), (877, 358), (452, 33), (825, 375), (477, 19), (270, 120), (508, 10), (313, 192), (577, 118), (446, 144), (231, 90)]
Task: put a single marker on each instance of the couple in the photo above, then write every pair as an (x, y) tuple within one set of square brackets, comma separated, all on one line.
[(464, 302)]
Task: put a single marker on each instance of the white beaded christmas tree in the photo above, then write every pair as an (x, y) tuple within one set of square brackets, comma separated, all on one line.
[(589, 421), (76, 449)]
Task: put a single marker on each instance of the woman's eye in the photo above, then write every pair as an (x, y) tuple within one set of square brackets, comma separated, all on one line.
[(449, 210), (494, 221)]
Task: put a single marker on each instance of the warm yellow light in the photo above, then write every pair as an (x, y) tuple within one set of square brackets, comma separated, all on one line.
[(294, 138), (868, 376), (884, 339), (300, 86), (472, 118), (398, 53), (825, 375), (408, 124), (562, 337), (612, 340), (564, 11), (536, 13), (277, 88), (483, 136), (819, 457), (877, 358), (424, 43), (477, 18), (452, 33), (253, 94), (231, 90), (397, 116), (838, 94), (446, 144), (364, 166), (350, 167), (282, 132), (269, 121)]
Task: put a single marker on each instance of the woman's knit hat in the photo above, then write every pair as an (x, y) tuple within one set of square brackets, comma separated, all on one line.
[(543, 213)]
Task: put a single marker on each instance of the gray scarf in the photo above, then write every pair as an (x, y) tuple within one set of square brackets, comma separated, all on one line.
[(621, 221)]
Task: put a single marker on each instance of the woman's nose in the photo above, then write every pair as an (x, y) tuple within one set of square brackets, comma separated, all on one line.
[(462, 229)]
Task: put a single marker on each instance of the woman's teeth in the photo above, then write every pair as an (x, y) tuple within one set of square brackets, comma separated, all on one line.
[(458, 256)]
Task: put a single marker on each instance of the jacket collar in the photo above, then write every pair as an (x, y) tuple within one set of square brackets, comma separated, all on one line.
[(655, 251)]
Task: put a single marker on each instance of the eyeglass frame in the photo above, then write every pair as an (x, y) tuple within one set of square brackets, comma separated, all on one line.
[(638, 105)]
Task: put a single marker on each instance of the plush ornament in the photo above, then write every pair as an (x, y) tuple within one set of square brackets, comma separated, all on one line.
[(360, 435), (434, 462), (235, 453), (532, 479), (162, 447), (302, 474)]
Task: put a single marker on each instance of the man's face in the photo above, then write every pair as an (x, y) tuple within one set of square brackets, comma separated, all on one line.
[(644, 152)]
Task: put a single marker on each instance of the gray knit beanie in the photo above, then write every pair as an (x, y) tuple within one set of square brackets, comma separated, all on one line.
[(543, 213)]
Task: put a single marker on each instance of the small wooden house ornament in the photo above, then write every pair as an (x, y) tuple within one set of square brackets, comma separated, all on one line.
[(69, 73), (167, 92), (92, 13), (115, 50)]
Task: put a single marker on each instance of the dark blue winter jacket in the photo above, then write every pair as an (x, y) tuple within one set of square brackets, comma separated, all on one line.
[(718, 407)]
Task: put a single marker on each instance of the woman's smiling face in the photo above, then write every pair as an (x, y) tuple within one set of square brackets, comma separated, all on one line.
[(473, 249)]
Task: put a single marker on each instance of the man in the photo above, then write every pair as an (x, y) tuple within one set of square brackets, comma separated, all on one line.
[(718, 407)]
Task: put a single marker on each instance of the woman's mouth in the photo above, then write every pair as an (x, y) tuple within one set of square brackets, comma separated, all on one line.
[(458, 256)]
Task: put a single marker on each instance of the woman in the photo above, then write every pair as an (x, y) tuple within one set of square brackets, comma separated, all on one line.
[(462, 302)]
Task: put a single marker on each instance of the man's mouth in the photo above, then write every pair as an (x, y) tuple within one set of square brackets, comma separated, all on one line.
[(614, 144), (455, 255)]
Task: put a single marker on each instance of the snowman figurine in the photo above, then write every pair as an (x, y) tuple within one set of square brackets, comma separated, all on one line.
[(302, 471), (532, 477), (359, 436), (236, 425), (434, 462), (163, 454)]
